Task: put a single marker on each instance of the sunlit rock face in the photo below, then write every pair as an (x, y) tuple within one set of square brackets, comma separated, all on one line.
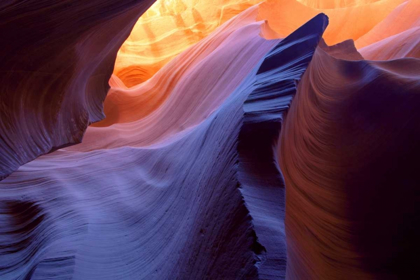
[(229, 139), (167, 29), (346, 22), (396, 36)]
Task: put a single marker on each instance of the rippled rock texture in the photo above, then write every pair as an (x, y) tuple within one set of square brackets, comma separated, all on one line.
[(56, 60), (231, 139), (348, 153)]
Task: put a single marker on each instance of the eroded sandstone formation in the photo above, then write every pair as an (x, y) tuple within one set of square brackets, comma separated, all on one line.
[(238, 139), (348, 154), (174, 209)]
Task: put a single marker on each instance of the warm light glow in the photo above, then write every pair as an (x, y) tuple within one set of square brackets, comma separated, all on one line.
[(168, 28), (171, 26), (345, 23)]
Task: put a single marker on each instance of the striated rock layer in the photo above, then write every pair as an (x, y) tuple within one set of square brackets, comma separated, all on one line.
[(179, 209), (261, 182), (56, 60), (349, 153)]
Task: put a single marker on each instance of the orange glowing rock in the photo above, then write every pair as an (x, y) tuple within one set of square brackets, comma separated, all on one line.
[(333, 4), (185, 91), (285, 16), (168, 28), (404, 44), (405, 17)]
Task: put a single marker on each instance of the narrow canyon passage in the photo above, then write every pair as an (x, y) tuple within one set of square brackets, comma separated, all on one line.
[(188, 139)]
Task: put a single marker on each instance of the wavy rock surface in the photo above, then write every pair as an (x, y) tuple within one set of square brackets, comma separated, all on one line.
[(167, 211), (167, 29), (183, 93), (404, 44), (350, 22), (403, 18), (349, 148), (56, 60), (397, 36)]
